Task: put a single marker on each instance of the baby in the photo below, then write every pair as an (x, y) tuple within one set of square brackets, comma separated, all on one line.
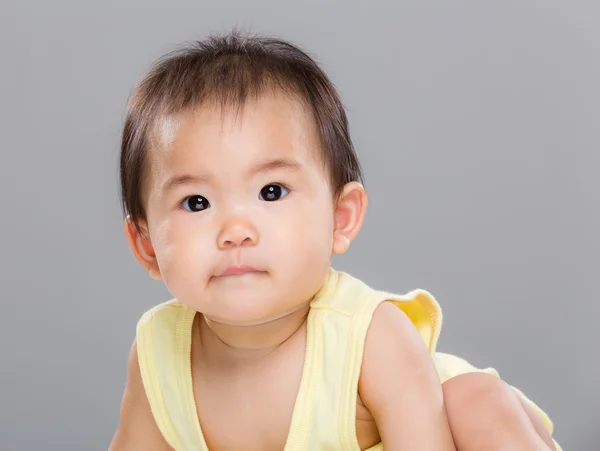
[(239, 181)]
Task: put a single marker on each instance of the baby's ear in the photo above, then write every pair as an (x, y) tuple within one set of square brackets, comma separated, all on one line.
[(141, 247), (349, 215)]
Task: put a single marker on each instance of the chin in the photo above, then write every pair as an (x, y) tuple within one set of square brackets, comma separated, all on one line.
[(237, 306), (241, 318)]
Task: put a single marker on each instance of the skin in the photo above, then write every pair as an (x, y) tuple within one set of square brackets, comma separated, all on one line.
[(250, 333)]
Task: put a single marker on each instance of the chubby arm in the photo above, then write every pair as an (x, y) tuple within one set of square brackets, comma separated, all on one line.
[(137, 429), (450, 367), (401, 387)]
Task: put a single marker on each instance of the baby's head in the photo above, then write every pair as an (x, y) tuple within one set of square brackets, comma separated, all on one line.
[(238, 177)]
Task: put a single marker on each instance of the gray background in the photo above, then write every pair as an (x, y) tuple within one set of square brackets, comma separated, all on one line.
[(476, 123)]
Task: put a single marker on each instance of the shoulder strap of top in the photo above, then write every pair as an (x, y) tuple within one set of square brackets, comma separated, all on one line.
[(164, 344)]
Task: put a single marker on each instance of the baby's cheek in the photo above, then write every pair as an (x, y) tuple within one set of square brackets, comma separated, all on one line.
[(178, 266), (314, 248), (317, 231)]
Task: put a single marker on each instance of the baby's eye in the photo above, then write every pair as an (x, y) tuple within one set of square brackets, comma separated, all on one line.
[(273, 192), (195, 203)]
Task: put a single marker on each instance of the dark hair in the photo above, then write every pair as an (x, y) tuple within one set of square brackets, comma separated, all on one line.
[(229, 69)]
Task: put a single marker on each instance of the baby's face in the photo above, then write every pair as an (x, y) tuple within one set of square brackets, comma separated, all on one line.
[(240, 211)]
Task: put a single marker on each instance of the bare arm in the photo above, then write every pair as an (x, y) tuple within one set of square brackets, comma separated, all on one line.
[(137, 429), (400, 385)]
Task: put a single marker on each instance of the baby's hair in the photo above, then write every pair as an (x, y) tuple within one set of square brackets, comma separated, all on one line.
[(227, 71)]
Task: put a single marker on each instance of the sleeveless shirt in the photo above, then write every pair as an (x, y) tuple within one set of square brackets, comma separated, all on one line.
[(324, 414)]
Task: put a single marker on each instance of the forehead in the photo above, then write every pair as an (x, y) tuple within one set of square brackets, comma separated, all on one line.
[(222, 139)]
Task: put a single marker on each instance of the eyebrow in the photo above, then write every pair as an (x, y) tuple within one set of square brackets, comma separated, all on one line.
[(276, 164), (267, 166), (180, 180)]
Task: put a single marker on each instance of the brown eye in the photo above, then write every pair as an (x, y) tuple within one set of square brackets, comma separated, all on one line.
[(273, 192), (195, 203)]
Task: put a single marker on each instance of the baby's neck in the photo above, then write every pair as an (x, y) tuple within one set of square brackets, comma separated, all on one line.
[(227, 343)]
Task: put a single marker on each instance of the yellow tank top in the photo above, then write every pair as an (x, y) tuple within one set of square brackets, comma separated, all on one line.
[(324, 415)]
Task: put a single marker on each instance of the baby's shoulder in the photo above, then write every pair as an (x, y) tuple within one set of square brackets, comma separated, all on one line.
[(391, 327)]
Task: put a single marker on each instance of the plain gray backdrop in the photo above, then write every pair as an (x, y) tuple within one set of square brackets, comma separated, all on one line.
[(476, 123)]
